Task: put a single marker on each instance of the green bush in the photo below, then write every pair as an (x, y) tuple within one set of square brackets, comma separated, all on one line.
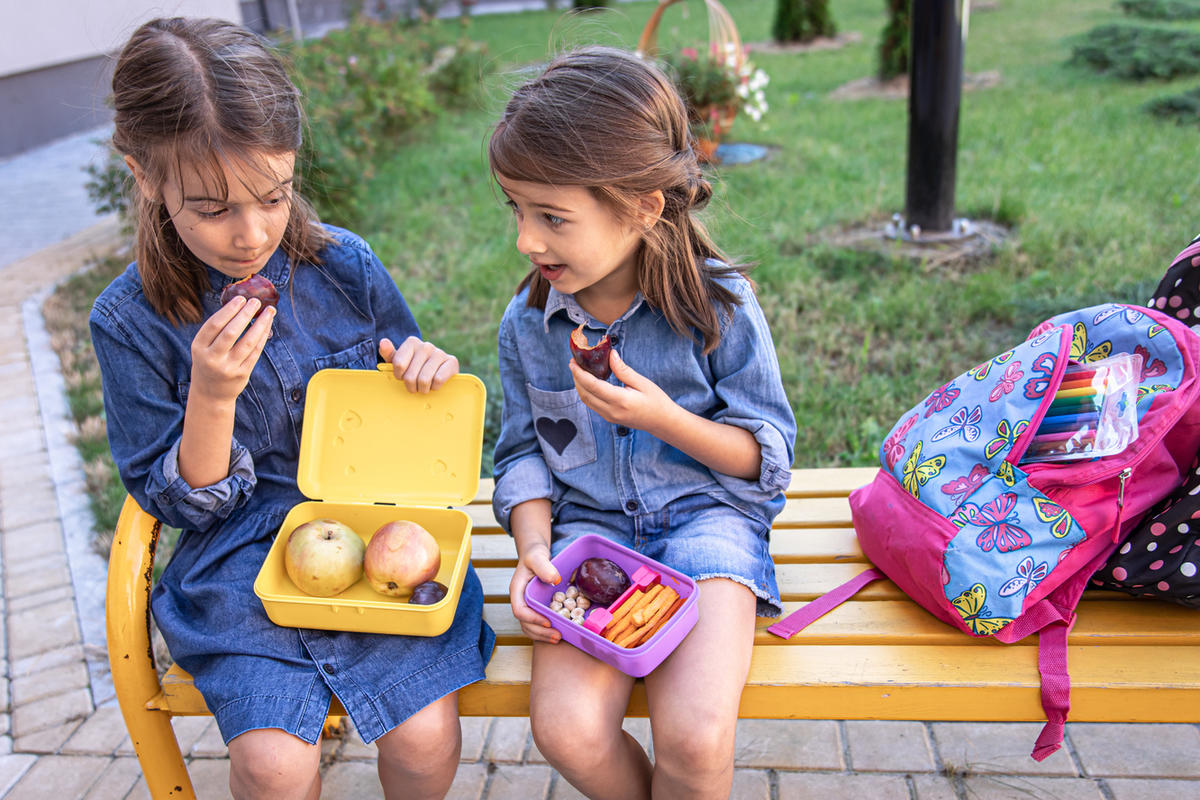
[(1182, 108), (1161, 9), (893, 42), (1139, 52), (364, 87), (802, 20)]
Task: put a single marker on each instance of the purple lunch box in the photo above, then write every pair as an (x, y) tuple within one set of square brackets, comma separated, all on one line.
[(643, 572)]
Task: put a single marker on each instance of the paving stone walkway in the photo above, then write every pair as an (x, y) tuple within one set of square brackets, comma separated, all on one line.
[(62, 736)]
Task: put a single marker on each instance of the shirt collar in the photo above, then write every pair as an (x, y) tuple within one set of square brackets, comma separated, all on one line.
[(557, 301)]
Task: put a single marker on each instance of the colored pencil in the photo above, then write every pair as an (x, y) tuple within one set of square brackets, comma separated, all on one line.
[(1084, 418), (1072, 405), (1083, 391), (1076, 374), (1063, 436)]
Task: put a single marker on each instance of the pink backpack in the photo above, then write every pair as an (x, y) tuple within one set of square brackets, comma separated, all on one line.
[(997, 546)]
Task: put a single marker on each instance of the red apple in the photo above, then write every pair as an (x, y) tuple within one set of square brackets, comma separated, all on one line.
[(400, 556), (256, 285), (324, 557), (593, 358)]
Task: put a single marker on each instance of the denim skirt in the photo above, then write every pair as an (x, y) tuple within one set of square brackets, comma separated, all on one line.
[(697, 535)]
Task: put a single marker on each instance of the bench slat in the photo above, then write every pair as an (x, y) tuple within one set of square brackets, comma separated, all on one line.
[(911, 682)]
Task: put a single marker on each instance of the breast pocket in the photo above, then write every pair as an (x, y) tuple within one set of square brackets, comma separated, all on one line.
[(564, 428), (249, 422), (360, 356)]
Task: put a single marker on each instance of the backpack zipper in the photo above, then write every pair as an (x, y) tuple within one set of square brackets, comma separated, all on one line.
[(1123, 476)]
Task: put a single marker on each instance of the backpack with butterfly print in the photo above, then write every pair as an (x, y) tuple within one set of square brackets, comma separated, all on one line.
[(996, 547)]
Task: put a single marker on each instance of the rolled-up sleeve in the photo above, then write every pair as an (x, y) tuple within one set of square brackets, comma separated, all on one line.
[(748, 383), (144, 417), (520, 471)]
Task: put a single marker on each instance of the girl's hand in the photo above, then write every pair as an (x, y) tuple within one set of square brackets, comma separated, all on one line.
[(226, 348), (534, 561), (421, 365), (639, 404)]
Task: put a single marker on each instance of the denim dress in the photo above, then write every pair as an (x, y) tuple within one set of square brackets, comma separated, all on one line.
[(627, 484), (252, 673)]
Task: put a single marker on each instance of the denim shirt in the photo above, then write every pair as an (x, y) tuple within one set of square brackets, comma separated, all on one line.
[(552, 446), (329, 315)]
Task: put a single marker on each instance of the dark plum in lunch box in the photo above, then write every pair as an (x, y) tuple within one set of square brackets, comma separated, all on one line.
[(643, 573)]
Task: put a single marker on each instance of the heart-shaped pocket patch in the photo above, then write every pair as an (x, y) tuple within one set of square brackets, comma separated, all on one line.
[(558, 433)]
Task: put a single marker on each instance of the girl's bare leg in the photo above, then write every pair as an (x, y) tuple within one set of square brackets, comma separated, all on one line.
[(694, 696), (273, 763), (419, 757), (577, 704)]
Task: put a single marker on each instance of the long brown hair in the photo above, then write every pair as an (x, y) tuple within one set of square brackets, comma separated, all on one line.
[(201, 92), (610, 121)]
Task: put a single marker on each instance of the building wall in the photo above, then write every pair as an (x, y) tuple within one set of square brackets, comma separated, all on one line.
[(56, 61)]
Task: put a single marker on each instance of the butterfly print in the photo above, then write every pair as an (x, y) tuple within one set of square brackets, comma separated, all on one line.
[(917, 472), (1151, 367), (959, 488), (1059, 518), (1132, 315), (940, 399), (1027, 577), (999, 520), (1081, 350), (893, 446), (972, 607), (1042, 369), (1007, 382), (1004, 471), (961, 422), (1006, 435)]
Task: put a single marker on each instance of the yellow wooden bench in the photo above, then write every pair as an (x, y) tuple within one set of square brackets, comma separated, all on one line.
[(879, 656)]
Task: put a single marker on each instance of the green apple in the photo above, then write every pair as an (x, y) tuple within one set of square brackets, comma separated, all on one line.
[(324, 557)]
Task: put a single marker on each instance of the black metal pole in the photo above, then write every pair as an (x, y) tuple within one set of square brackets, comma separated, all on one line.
[(934, 91)]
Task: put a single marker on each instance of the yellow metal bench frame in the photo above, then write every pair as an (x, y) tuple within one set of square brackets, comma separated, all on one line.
[(878, 656)]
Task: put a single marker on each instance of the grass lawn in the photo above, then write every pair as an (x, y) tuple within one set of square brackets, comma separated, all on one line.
[(1097, 191)]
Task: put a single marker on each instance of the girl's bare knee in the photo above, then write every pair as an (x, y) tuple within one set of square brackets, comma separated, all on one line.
[(425, 741), (695, 750), (272, 763)]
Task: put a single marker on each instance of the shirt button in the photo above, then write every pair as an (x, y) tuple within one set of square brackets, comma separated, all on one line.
[(613, 338), (329, 669), (622, 430), (631, 505), (296, 395)]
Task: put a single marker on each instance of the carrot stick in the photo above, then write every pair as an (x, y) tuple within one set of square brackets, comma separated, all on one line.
[(638, 632), (658, 622), (622, 627)]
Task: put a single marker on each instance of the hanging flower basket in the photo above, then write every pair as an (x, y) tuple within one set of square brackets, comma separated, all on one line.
[(716, 82)]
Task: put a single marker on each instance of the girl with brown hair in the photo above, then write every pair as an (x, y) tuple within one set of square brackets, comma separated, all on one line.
[(205, 400), (682, 454)]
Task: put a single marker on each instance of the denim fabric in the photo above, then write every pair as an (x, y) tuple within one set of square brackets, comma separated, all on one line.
[(553, 446), (694, 535), (252, 673)]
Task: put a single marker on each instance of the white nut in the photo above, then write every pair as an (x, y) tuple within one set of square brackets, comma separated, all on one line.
[(583, 602), (577, 613), (572, 591), (555, 605), (558, 597), (566, 612), (569, 603), (577, 620)]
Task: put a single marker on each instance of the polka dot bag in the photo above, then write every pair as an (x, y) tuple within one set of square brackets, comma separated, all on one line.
[(1161, 557)]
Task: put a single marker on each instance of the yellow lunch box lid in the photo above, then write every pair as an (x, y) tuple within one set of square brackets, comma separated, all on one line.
[(366, 438)]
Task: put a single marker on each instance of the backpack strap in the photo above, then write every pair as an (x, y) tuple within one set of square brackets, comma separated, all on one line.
[(1056, 688), (802, 618)]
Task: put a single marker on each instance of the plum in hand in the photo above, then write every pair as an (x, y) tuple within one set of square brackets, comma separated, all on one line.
[(593, 358), (256, 285), (600, 580)]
